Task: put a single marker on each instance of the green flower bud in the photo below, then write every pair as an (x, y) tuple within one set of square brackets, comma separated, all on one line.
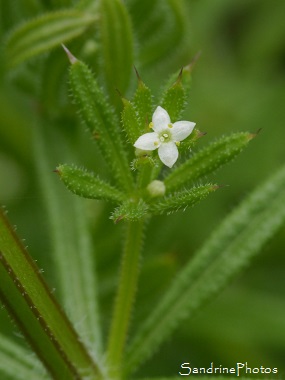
[(156, 189)]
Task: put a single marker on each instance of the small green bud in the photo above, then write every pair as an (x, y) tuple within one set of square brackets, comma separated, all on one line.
[(156, 189), (142, 153)]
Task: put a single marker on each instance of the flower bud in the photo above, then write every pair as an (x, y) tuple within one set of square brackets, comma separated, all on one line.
[(156, 189)]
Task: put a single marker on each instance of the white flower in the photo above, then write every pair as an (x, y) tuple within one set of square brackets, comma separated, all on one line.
[(166, 136)]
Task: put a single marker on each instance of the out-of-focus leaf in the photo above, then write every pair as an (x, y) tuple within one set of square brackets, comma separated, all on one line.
[(34, 308), (161, 31), (72, 248), (15, 359), (44, 33), (116, 44)]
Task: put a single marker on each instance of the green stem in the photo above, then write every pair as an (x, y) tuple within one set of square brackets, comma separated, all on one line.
[(125, 295), (144, 176), (147, 173)]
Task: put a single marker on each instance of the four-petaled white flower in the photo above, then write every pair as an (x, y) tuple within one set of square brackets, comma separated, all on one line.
[(166, 136)]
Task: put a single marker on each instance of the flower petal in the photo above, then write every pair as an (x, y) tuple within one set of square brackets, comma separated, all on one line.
[(168, 153), (182, 129), (148, 141), (160, 119)]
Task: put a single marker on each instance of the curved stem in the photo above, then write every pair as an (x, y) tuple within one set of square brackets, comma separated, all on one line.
[(125, 296)]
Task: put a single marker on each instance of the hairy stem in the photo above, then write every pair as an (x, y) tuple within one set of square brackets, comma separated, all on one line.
[(125, 296)]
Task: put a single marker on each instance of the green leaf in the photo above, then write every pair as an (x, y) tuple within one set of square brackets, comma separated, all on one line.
[(18, 363), (207, 377), (184, 75), (229, 250), (181, 200), (87, 185), (143, 104), (14, 113), (189, 143), (207, 160), (35, 310), (54, 93), (130, 210), (162, 32), (130, 122), (116, 41), (44, 33), (87, 5), (101, 120), (174, 99), (71, 245)]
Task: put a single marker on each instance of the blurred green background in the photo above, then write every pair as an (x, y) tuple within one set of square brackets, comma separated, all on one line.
[(238, 84)]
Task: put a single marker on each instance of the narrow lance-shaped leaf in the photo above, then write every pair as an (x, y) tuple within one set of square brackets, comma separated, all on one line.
[(229, 250), (207, 160), (191, 141), (185, 75), (87, 5), (15, 359), (176, 91), (163, 31), (142, 101), (130, 122), (54, 93), (71, 243), (181, 200), (100, 119), (35, 310), (86, 185), (44, 33), (174, 99), (116, 42), (130, 210)]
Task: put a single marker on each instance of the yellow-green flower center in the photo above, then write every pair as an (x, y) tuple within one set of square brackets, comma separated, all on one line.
[(165, 136)]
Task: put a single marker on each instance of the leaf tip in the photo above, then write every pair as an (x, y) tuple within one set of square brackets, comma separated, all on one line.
[(216, 187), (57, 170), (70, 56), (193, 62), (137, 74), (179, 78), (201, 134), (253, 135), (117, 220), (119, 93)]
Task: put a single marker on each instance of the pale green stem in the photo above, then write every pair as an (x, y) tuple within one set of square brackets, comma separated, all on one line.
[(125, 296), (144, 176)]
